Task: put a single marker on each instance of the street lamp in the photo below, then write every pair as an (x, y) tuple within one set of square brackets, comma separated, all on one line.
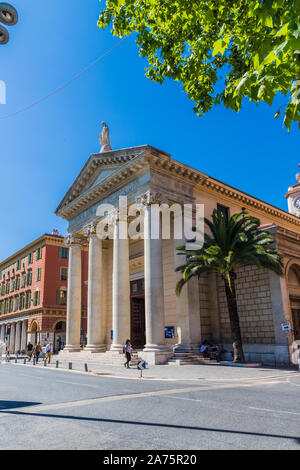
[(9, 17)]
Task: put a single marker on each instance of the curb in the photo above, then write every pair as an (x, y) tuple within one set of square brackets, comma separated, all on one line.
[(238, 364)]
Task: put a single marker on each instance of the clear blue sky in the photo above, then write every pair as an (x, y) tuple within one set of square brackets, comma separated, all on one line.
[(43, 149)]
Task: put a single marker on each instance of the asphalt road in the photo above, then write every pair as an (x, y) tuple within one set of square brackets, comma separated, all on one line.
[(49, 409)]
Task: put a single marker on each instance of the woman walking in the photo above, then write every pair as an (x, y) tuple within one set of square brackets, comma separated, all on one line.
[(127, 351)]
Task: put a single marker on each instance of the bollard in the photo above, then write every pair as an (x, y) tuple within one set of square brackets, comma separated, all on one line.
[(45, 362), (86, 367), (33, 362), (56, 365), (24, 360), (70, 365), (16, 360)]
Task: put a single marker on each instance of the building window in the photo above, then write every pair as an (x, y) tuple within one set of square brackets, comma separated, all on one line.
[(30, 258), (63, 274), (38, 253), (38, 274), (23, 280), (17, 282), (29, 277), (61, 297), (22, 301), (63, 252), (16, 303), (225, 211), (18, 267), (36, 298), (11, 303), (28, 299)]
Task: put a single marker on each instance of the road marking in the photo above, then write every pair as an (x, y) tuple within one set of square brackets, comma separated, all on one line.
[(292, 383), (77, 383), (274, 411), (181, 398)]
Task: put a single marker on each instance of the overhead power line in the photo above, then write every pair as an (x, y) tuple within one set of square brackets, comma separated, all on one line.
[(57, 90)]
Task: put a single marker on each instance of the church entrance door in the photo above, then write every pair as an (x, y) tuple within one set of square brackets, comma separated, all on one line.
[(138, 335)]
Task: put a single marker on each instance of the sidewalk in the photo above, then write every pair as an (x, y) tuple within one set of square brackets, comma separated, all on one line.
[(209, 372)]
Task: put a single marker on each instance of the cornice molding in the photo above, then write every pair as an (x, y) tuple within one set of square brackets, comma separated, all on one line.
[(215, 187)]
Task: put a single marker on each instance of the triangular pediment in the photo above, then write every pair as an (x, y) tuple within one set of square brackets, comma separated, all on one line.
[(100, 175), (101, 172)]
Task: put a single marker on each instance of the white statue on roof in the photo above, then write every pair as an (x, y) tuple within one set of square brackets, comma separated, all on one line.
[(104, 139)]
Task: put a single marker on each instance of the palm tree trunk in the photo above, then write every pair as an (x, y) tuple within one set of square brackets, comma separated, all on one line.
[(234, 319)]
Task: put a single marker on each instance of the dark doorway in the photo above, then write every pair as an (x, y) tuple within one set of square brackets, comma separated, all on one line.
[(138, 336), (296, 322)]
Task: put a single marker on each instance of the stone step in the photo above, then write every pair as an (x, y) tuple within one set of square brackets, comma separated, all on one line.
[(181, 359), (108, 357)]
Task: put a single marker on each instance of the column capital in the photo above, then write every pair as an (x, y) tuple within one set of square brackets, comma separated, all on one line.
[(73, 239), (90, 229), (148, 198), (113, 216)]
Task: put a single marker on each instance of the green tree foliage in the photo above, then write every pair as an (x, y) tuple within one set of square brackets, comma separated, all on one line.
[(221, 50), (232, 244)]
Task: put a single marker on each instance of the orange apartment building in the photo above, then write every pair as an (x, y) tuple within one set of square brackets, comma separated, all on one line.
[(33, 294)]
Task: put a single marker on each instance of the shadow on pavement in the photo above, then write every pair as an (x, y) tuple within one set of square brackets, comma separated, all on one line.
[(8, 405), (159, 425)]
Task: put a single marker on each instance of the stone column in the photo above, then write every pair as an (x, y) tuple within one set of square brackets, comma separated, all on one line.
[(95, 307), (12, 338), (121, 287), (74, 294), (187, 309), (2, 334), (24, 335), (154, 289), (18, 337)]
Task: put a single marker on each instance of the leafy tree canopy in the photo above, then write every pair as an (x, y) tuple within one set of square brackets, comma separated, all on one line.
[(221, 50)]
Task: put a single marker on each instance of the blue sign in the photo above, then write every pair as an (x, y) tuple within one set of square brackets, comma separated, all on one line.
[(169, 332), (141, 365), (111, 334)]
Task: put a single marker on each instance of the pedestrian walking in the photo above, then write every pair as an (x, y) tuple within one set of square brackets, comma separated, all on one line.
[(49, 350), (29, 350), (127, 352), (38, 350)]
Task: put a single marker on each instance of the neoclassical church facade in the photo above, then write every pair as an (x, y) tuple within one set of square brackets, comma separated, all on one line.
[(131, 281)]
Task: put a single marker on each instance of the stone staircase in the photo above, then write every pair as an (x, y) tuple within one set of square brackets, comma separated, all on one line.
[(105, 358), (185, 359)]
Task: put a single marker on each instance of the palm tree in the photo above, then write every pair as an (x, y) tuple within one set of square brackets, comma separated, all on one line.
[(232, 244)]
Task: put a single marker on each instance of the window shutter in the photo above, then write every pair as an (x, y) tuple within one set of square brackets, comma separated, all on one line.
[(58, 297)]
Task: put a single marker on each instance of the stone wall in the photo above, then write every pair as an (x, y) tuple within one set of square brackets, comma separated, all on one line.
[(254, 307), (169, 287), (204, 308)]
